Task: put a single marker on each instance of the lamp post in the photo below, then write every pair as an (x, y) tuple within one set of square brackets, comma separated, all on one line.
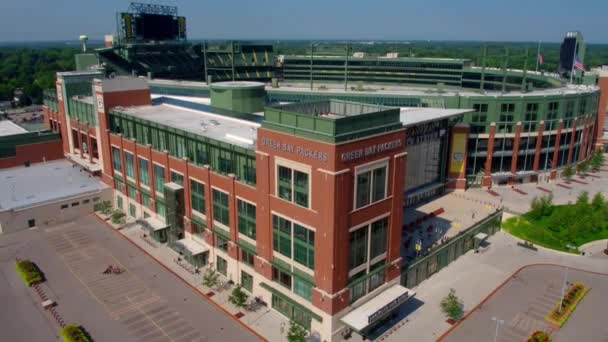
[(564, 285), (499, 322)]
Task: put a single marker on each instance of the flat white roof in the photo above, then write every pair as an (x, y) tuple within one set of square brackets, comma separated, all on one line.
[(155, 223), (192, 246), (7, 127), (410, 116), (389, 299), (41, 183), (216, 126), (195, 99)]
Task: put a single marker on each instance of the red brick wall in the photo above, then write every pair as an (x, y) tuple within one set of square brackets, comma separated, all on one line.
[(35, 153)]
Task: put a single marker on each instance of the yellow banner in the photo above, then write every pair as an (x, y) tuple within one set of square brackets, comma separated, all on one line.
[(458, 152)]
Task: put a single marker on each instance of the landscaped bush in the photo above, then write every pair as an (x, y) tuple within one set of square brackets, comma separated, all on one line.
[(562, 226), (559, 315), (74, 333), (539, 336), (29, 272), (118, 217), (105, 207)]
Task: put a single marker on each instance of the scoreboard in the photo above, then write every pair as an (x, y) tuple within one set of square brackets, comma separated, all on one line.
[(145, 27)]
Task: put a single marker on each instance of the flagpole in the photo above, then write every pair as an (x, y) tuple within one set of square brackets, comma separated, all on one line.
[(537, 56), (573, 61)]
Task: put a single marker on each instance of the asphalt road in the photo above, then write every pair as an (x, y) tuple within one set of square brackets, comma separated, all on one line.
[(145, 303)]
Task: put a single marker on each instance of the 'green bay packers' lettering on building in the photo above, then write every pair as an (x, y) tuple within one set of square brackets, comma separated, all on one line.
[(370, 150), (291, 148)]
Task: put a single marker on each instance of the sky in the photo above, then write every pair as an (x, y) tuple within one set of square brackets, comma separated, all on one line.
[(485, 20)]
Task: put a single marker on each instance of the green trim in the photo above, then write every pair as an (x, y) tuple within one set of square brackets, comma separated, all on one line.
[(247, 246), (293, 271), (291, 301), (221, 232), (281, 265), (198, 221), (369, 275), (304, 276)]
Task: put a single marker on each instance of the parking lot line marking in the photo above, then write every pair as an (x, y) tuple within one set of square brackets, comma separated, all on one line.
[(85, 285), (153, 322)]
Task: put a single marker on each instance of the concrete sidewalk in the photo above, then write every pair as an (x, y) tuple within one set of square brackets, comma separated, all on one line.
[(474, 276), (264, 321)]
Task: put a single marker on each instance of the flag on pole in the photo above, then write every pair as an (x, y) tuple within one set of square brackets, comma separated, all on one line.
[(540, 59), (578, 64)]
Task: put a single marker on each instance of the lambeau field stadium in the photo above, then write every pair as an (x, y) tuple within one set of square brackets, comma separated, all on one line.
[(289, 174)]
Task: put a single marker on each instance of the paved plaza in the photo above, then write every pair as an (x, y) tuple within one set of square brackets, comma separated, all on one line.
[(524, 301), (144, 303)]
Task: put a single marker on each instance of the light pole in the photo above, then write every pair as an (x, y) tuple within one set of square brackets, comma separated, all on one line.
[(564, 284), (499, 322)]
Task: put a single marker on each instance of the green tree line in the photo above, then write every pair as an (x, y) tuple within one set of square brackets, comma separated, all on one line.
[(32, 70)]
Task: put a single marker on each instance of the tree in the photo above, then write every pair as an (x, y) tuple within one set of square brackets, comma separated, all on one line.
[(105, 207), (597, 160), (583, 166), (211, 278), (582, 199), (598, 201), (452, 306), (296, 332), (568, 172), (238, 297)]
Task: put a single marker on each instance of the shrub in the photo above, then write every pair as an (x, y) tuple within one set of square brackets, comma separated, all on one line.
[(568, 172), (452, 306), (29, 272), (104, 207), (211, 278), (74, 333), (118, 217), (238, 297), (597, 160), (296, 332), (539, 336)]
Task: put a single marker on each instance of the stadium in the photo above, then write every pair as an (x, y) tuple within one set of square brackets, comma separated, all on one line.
[(261, 165)]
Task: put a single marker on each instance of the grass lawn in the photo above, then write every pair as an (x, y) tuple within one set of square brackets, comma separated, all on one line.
[(539, 232)]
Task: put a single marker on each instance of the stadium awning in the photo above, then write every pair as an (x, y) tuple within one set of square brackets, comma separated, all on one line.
[(377, 308)]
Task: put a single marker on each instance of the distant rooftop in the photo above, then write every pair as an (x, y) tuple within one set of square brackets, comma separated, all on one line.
[(8, 127), (411, 116), (331, 109), (24, 187), (199, 119)]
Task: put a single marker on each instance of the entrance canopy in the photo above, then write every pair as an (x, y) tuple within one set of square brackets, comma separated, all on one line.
[(377, 308), (190, 247), (152, 224)]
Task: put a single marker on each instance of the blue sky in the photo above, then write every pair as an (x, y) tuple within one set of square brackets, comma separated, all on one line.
[(490, 20)]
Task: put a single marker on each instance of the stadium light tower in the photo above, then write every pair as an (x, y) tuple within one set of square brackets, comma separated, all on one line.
[(84, 39)]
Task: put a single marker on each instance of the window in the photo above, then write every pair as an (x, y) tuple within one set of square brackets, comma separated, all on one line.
[(222, 243), (131, 191), (246, 257), (96, 199), (480, 114), (281, 235), (177, 178), (132, 210), (129, 165), (119, 202), (159, 179), (247, 281), (304, 246), (64, 206), (86, 201), (370, 238), (249, 174), (220, 207), (281, 277), (378, 238), (246, 216), (31, 223), (222, 265), (292, 186), (370, 186), (116, 162), (75, 204), (161, 210), (302, 288), (553, 110), (531, 112), (197, 196), (303, 241), (144, 176), (225, 165), (506, 112), (145, 200), (357, 248)]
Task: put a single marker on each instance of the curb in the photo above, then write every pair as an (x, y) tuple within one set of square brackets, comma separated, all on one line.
[(216, 305), (487, 297)]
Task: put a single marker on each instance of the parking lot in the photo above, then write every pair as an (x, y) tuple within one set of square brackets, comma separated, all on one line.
[(524, 301), (143, 303)]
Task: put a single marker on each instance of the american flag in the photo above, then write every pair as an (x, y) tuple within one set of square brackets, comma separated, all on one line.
[(578, 64), (540, 59)]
